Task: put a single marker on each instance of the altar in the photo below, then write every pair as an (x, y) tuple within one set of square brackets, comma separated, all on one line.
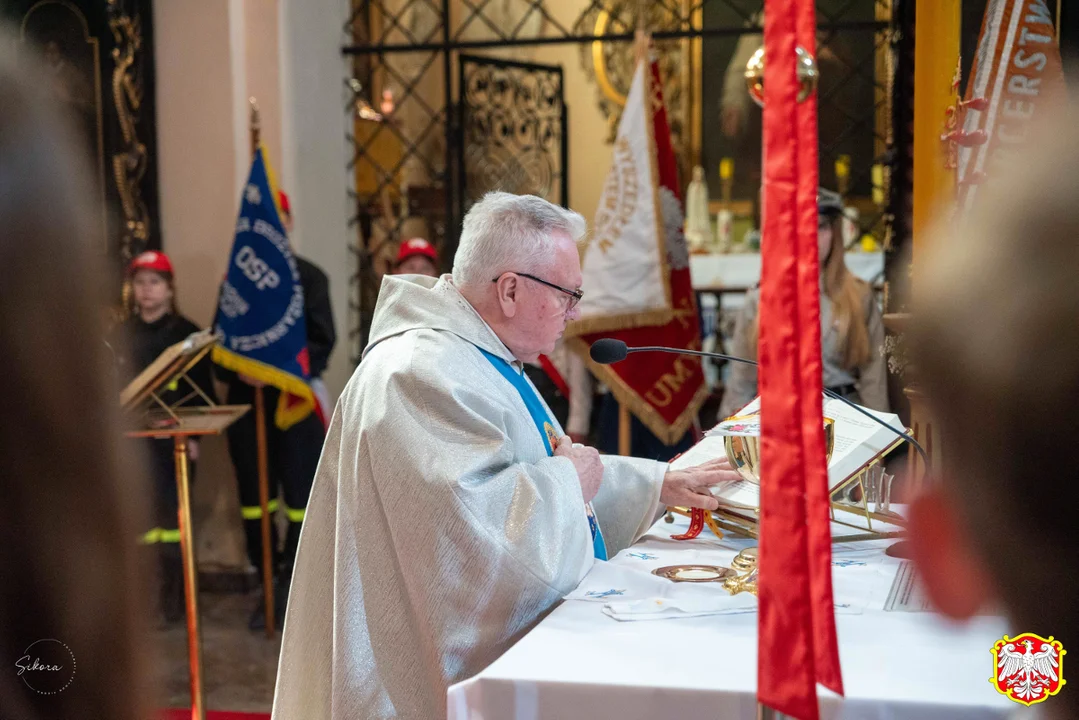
[(734, 273), (897, 663)]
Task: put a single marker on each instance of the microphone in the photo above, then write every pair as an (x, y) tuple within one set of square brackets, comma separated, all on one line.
[(606, 351)]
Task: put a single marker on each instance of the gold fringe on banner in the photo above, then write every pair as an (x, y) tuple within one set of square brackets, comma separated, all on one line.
[(614, 323), (284, 417)]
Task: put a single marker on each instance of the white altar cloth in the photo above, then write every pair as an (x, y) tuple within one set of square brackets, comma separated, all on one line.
[(580, 663)]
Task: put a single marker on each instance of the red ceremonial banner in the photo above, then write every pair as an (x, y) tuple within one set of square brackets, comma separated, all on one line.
[(797, 646), (1017, 72)]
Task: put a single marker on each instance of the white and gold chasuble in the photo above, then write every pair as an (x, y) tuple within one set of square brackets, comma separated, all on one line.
[(439, 528)]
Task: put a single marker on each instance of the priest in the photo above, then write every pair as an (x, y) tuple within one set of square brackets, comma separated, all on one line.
[(450, 512)]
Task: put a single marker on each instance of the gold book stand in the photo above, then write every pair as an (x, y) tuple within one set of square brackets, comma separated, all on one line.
[(147, 415), (866, 524)]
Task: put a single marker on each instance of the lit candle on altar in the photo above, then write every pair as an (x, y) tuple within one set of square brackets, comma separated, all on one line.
[(878, 185)]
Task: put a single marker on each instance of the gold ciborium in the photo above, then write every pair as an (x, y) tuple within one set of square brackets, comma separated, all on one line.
[(744, 451)]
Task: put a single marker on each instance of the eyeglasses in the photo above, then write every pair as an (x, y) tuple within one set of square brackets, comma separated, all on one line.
[(574, 295)]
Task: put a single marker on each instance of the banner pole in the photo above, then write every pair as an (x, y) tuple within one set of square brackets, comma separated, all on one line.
[(260, 435), (264, 503), (624, 425)]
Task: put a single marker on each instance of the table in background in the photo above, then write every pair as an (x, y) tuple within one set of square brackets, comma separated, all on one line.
[(737, 272)]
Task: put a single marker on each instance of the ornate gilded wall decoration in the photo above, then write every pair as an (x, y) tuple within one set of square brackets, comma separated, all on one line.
[(610, 64), (96, 60), (512, 115), (129, 164)]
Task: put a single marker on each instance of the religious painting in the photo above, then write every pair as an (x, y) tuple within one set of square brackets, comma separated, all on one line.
[(851, 95), (59, 32)]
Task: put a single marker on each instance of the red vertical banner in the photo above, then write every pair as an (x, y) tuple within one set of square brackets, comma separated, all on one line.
[(819, 558), (797, 646)]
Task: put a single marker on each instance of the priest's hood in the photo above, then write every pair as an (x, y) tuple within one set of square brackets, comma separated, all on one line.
[(418, 302)]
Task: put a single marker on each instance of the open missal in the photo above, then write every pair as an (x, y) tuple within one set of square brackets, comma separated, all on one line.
[(858, 441)]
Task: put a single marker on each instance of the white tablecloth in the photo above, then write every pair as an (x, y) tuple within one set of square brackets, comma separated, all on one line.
[(739, 271), (579, 663)]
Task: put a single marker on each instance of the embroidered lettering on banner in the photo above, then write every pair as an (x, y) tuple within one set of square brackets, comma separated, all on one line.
[(619, 201)]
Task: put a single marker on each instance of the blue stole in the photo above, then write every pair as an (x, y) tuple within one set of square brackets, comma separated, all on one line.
[(547, 432)]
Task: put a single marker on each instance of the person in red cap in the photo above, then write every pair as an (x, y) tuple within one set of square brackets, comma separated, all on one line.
[(416, 257), (154, 325)]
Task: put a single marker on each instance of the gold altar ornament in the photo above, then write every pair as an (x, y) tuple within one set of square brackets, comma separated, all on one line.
[(610, 65), (694, 573), (808, 75), (744, 578)]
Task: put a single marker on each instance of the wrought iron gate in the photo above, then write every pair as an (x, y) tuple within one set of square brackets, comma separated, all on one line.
[(447, 139), (512, 134)]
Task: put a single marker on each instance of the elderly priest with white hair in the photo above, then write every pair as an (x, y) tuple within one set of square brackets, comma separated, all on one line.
[(450, 512)]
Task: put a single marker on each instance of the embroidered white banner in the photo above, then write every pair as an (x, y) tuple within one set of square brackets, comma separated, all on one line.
[(625, 262)]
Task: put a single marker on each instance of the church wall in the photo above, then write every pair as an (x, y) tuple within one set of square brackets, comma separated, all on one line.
[(198, 145), (213, 56), (314, 124), (263, 75)]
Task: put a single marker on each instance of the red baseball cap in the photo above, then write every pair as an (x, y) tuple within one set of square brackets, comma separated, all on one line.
[(416, 246), (150, 260), (282, 202)]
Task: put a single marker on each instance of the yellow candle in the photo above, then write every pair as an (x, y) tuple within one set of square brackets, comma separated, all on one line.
[(842, 167), (726, 168), (878, 184)]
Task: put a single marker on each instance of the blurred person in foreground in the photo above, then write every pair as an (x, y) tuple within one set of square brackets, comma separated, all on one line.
[(68, 520), (997, 350)]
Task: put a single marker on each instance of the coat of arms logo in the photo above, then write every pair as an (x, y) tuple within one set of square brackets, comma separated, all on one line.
[(1028, 668)]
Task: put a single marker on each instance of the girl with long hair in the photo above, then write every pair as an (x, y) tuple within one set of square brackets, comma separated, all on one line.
[(852, 331)]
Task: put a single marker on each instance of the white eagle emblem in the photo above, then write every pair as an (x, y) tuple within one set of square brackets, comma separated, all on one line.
[(1027, 675), (673, 221)]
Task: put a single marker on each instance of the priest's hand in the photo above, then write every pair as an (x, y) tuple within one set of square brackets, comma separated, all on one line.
[(586, 462), (689, 487)]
